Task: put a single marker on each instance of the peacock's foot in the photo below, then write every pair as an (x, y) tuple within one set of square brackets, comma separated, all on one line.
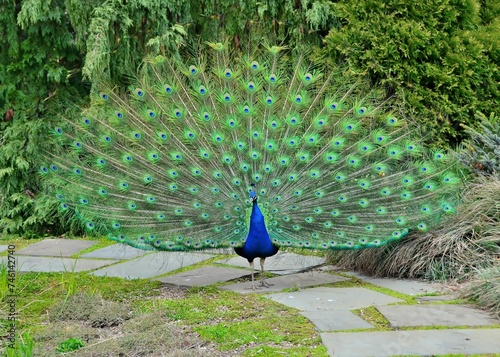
[(265, 283), (253, 287)]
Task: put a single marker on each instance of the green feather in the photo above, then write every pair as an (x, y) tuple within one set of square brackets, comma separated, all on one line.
[(167, 163)]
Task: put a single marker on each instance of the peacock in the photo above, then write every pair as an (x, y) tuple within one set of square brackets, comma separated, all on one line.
[(254, 150)]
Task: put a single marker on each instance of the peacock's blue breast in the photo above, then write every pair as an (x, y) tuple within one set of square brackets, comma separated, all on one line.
[(258, 243)]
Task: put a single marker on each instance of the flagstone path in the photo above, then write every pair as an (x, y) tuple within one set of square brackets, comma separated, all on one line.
[(433, 326)]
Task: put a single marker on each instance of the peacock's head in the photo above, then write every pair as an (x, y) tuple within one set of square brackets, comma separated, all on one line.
[(253, 195)]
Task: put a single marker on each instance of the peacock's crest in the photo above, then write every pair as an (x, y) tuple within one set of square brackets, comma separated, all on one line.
[(169, 164)]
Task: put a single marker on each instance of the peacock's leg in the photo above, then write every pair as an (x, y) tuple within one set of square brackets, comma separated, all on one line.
[(263, 281), (253, 287)]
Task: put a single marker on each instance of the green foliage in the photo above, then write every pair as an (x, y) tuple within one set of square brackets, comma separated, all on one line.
[(441, 57), (23, 346), (482, 151), (20, 210), (71, 344), (40, 62), (118, 34), (4, 285), (294, 20)]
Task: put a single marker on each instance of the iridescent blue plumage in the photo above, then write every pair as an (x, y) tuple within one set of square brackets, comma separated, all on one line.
[(258, 243)]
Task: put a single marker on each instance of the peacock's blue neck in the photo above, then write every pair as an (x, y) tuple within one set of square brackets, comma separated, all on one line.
[(257, 223)]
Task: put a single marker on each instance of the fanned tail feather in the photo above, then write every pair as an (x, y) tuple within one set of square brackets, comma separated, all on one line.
[(169, 164)]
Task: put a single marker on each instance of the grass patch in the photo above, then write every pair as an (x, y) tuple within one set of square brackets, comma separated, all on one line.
[(234, 321), (373, 316), (65, 312), (24, 346), (268, 329), (233, 335), (92, 309), (38, 292), (145, 335), (113, 316)]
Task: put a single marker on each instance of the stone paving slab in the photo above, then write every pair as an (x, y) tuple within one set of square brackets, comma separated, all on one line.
[(204, 276), (294, 281), (116, 251), (3, 248), (415, 342), (152, 265), (438, 315), (283, 263), (409, 287), (56, 247), (53, 265), (332, 320), (324, 298)]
